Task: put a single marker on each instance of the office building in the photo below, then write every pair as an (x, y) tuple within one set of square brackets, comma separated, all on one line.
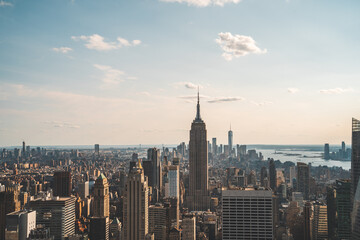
[(99, 228), (157, 221), (198, 198), (62, 184), (57, 214), (355, 156), (327, 151), (19, 224), (153, 170), (343, 208), (303, 179), (84, 189), (230, 141), (101, 197), (214, 146), (97, 149), (272, 174), (173, 187), (9, 202), (319, 222), (247, 214), (188, 226), (292, 177), (135, 215)]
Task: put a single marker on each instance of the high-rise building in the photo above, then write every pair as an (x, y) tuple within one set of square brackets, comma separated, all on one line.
[(263, 175), (292, 175), (9, 202), (84, 189), (247, 214), (303, 179), (230, 141), (327, 151), (23, 149), (214, 146), (188, 226), (136, 205), (97, 149), (57, 214), (157, 221), (308, 215), (319, 225), (173, 186), (153, 170), (101, 197), (272, 174), (19, 224), (62, 184), (198, 198), (343, 208), (331, 211), (99, 228), (355, 156), (355, 216)]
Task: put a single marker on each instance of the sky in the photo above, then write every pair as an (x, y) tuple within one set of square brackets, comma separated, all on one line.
[(79, 72)]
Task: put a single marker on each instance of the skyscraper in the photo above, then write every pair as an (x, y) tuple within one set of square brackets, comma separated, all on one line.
[(173, 186), (230, 141), (247, 214), (355, 156), (303, 179), (214, 146), (198, 198), (101, 197), (343, 209), (155, 173), (19, 224), (58, 214), (136, 205), (97, 149), (327, 151), (62, 184), (272, 174)]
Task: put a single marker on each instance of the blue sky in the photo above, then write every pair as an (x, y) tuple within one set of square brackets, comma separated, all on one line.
[(125, 72)]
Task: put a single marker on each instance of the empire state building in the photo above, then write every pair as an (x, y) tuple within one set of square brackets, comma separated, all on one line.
[(198, 196)]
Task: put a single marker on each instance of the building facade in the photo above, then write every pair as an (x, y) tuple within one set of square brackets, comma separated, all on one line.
[(101, 197)]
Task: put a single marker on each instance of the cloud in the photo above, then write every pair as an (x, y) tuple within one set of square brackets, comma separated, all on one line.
[(190, 97), (226, 99), (237, 45), (98, 42), (261, 104), (203, 3), (336, 90), (188, 85), (111, 76), (62, 49), (144, 93), (5, 4), (292, 90), (61, 124)]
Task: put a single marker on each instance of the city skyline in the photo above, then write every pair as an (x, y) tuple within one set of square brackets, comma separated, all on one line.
[(85, 77)]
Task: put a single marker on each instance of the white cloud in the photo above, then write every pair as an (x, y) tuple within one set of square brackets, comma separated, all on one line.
[(5, 4), (237, 45), (98, 42), (190, 97), (188, 85), (204, 3), (260, 104), (292, 90), (62, 49), (144, 93), (336, 90), (226, 99), (111, 76), (61, 124)]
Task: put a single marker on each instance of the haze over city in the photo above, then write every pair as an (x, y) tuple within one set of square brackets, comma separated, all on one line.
[(126, 72)]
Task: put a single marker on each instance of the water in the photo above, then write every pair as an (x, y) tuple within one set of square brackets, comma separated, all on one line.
[(305, 154)]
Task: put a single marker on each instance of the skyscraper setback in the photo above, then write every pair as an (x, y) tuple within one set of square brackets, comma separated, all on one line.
[(198, 198)]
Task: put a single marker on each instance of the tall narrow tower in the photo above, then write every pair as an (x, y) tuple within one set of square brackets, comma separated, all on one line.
[(136, 205), (101, 197), (198, 198), (230, 141)]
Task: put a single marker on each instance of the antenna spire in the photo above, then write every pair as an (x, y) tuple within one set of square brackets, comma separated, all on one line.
[(198, 106)]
